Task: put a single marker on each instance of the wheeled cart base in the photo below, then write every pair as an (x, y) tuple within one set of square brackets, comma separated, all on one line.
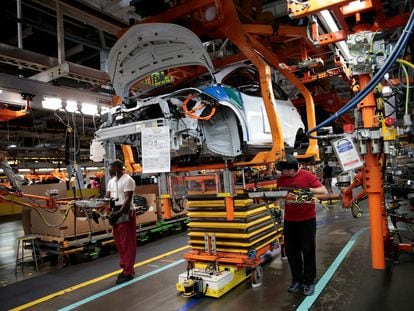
[(206, 280)]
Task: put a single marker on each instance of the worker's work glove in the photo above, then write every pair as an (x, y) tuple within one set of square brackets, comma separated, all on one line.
[(300, 195), (114, 217)]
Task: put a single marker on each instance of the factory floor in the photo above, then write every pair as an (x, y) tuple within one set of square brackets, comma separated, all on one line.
[(345, 278)]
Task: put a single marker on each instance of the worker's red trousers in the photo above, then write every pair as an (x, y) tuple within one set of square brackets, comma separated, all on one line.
[(125, 236)]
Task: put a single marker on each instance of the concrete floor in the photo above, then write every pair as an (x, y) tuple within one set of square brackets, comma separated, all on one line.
[(354, 285)]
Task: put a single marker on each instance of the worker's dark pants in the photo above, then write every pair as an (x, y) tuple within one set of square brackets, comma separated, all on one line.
[(300, 242), (125, 237)]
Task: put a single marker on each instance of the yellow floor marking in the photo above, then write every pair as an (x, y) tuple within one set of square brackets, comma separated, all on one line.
[(90, 282)]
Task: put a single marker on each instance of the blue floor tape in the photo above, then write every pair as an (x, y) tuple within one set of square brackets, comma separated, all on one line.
[(115, 288), (190, 303), (310, 300)]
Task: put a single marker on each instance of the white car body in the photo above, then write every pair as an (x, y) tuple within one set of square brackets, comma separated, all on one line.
[(238, 129)]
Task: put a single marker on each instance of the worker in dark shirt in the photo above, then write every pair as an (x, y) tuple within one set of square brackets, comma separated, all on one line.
[(300, 225), (327, 177)]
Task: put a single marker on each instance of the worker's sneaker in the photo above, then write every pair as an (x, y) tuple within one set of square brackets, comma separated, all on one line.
[(122, 278), (308, 290), (294, 287)]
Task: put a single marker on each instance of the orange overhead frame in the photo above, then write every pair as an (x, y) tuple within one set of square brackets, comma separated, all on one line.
[(232, 29), (286, 33), (8, 114), (328, 38), (298, 9), (313, 149)]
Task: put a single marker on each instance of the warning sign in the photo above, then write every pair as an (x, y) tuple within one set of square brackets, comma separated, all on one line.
[(347, 154)]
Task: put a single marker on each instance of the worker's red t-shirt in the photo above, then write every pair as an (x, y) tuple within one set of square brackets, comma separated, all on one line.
[(302, 180)]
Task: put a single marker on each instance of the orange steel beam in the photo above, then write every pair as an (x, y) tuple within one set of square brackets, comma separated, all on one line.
[(356, 7), (381, 21), (373, 182), (292, 31), (294, 53), (232, 28), (249, 5), (298, 32), (258, 29), (313, 149), (298, 9), (7, 114), (329, 38), (308, 77), (303, 49)]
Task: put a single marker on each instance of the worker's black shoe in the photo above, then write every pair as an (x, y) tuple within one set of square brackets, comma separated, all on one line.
[(294, 287), (122, 278), (309, 290)]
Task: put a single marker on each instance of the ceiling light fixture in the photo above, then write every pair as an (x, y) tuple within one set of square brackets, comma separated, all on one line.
[(326, 18), (71, 106), (90, 109), (52, 103)]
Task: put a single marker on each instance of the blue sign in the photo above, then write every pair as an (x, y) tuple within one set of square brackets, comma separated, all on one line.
[(345, 146)]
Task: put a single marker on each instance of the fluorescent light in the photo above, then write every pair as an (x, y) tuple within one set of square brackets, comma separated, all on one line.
[(1, 91), (330, 22), (12, 146), (356, 5), (52, 103), (326, 18), (90, 109), (71, 106), (44, 169)]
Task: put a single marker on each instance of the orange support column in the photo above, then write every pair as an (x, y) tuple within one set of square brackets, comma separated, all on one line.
[(373, 183)]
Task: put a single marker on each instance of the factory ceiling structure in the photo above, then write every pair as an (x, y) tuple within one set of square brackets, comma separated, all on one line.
[(57, 50), (220, 110)]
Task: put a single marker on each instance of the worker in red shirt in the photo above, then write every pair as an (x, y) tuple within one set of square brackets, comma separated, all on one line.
[(300, 225)]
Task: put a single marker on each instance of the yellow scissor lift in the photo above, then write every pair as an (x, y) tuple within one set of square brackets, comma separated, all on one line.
[(230, 236)]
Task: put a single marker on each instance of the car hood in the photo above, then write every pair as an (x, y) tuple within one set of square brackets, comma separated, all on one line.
[(148, 48)]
